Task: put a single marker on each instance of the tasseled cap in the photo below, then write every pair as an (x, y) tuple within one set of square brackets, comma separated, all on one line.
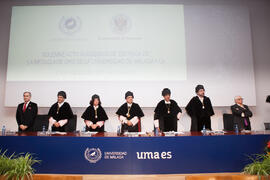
[(129, 93), (63, 94), (199, 87), (166, 91)]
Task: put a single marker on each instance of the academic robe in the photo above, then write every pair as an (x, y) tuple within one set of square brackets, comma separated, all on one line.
[(64, 112), (167, 115), (200, 113), (28, 117), (268, 99), (135, 110), (243, 122), (89, 114)]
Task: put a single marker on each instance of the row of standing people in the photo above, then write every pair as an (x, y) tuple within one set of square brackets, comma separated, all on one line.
[(166, 113)]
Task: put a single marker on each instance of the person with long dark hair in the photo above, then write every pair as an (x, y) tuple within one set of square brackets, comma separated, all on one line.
[(167, 113), (95, 116)]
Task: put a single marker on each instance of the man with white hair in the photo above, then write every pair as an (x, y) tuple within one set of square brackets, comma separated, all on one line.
[(241, 114), (26, 113)]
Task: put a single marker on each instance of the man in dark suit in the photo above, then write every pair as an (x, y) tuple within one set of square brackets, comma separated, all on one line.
[(26, 113), (241, 114)]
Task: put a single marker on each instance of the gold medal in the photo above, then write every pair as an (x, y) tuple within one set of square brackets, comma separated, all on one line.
[(168, 107), (58, 108), (128, 115), (203, 105), (96, 113)]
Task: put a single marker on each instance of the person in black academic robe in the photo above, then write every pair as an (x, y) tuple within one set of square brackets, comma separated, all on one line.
[(268, 99), (95, 116), (26, 114), (200, 110), (167, 112), (241, 114), (60, 113), (130, 114)]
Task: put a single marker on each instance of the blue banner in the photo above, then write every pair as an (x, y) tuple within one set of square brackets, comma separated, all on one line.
[(138, 155)]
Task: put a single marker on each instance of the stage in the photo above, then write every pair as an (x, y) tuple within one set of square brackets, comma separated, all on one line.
[(108, 153)]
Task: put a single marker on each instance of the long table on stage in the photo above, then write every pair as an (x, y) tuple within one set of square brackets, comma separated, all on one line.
[(107, 153)]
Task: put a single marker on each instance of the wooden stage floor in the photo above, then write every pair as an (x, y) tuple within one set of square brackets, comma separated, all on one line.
[(215, 176)]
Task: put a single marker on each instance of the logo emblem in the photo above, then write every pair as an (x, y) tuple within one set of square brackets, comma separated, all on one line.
[(92, 155), (70, 25), (121, 24)]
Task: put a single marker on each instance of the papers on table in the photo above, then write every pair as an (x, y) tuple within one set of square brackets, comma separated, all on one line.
[(214, 132), (60, 133), (88, 133), (245, 131), (48, 133), (173, 133), (218, 132), (131, 134)]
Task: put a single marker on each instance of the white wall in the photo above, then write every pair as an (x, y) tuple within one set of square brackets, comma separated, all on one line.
[(260, 29)]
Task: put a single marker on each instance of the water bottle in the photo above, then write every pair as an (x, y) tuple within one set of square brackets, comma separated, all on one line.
[(84, 129), (50, 128), (156, 132), (236, 129), (204, 130), (3, 130), (43, 129), (119, 130)]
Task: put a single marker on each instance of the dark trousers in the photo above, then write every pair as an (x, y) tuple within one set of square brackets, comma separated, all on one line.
[(126, 128), (205, 121), (241, 123), (98, 129), (60, 129), (29, 129), (168, 124), (197, 123)]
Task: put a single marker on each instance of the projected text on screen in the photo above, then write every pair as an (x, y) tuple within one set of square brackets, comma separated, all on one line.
[(97, 42)]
